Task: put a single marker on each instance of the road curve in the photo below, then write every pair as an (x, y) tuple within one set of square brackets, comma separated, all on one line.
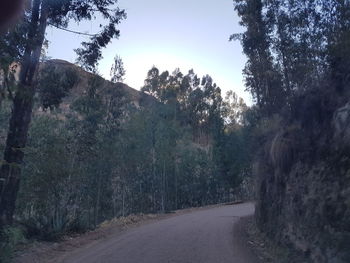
[(205, 236)]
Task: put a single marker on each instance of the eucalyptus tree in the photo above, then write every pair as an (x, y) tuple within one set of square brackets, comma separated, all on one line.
[(262, 78), (38, 15), (117, 70), (293, 46)]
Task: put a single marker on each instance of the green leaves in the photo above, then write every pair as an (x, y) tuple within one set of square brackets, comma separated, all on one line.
[(235, 37), (90, 53), (289, 45)]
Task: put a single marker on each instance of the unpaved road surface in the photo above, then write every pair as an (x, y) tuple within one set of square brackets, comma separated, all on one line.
[(206, 236)]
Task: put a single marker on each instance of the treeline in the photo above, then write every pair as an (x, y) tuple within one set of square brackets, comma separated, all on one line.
[(298, 73), (102, 154)]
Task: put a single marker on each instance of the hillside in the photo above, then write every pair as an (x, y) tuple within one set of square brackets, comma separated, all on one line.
[(83, 77)]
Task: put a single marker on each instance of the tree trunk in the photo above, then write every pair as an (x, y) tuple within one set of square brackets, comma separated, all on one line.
[(123, 202), (154, 178), (176, 187), (98, 197), (10, 170), (163, 188)]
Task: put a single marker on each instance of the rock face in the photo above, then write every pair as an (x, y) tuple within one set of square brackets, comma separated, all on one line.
[(304, 200)]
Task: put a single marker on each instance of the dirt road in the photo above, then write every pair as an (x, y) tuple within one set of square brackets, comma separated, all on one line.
[(206, 236)]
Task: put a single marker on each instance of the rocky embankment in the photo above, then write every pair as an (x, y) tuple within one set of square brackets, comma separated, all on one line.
[(304, 181)]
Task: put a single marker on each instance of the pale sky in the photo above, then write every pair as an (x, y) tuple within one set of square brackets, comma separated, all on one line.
[(168, 34)]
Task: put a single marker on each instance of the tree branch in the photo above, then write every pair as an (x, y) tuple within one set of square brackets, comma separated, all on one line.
[(72, 31)]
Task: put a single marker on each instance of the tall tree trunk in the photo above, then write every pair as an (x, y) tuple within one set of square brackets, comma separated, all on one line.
[(176, 182), (154, 177), (98, 197), (163, 188), (10, 170)]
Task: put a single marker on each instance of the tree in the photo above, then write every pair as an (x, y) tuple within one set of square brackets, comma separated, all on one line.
[(39, 15), (263, 80), (117, 70), (233, 110)]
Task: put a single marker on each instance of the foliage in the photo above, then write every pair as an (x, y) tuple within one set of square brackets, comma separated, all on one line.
[(25, 45), (290, 46), (107, 158), (10, 237)]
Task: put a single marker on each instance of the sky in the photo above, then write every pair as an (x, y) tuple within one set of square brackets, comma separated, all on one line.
[(168, 34)]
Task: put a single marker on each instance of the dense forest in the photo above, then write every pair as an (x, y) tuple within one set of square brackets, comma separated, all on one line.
[(102, 153)]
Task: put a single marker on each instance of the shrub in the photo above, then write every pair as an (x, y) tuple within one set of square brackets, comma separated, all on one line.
[(10, 237)]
